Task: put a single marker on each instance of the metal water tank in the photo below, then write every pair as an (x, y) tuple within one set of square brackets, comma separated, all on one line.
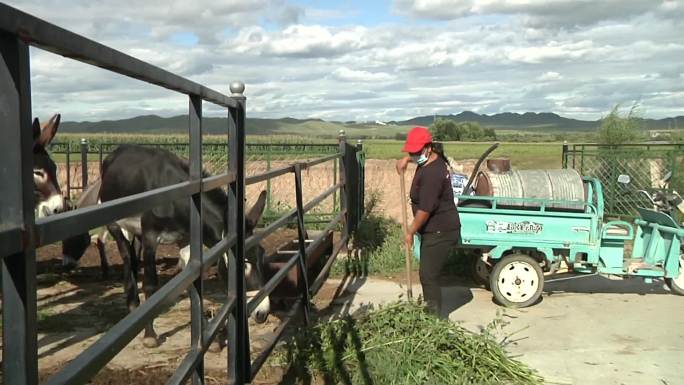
[(559, 185)]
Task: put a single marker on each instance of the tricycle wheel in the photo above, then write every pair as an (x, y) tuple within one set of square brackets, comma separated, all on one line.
[(677, 284), (517, 281), (480, 270)]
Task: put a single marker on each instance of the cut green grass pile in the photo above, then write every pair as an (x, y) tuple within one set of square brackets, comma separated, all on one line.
[(401, 344)]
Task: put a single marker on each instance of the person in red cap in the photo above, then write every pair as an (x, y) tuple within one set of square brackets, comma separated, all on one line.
[(435, 217)]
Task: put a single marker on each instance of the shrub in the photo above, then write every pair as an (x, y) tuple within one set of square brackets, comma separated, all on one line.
[(617, 129)]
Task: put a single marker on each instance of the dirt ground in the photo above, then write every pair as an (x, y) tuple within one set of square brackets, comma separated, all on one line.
[(75, 308), (381, 179)]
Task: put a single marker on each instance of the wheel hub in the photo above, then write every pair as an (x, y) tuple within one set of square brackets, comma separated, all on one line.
[(518, 281), (679, 279)]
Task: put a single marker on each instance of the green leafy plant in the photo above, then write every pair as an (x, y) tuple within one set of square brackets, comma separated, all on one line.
[(402, 344), (618, 128)]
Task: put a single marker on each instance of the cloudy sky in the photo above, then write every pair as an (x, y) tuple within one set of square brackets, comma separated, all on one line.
[(373, 60)]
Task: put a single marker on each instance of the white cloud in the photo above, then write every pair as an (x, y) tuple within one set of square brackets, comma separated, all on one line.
[(538, 13), (347, 74), (552, 51), (301, 41), (485, 55), (550, 76)]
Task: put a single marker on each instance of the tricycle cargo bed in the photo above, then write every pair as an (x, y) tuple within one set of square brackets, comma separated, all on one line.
[(501, 224), (520, 239)]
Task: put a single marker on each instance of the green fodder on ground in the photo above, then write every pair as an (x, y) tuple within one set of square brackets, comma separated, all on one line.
[(401, 344)]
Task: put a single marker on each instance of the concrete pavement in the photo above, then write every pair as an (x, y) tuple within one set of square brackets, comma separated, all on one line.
[(593, 330)]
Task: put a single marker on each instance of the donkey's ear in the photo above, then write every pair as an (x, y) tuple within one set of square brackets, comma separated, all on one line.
[(36, 129), (49, 130), (256, 212)]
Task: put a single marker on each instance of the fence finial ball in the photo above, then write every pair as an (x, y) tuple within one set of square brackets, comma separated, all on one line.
[(237, 88)]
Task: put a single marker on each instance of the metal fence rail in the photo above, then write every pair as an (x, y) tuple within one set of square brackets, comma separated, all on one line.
[(80, 163), (21, 234), (646, 164)]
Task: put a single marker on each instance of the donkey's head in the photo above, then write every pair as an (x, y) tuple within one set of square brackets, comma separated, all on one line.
[(48, 195), (255, 259)]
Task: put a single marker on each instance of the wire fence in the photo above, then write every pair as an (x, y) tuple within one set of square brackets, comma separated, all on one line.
[(79, 165), (647, 165)]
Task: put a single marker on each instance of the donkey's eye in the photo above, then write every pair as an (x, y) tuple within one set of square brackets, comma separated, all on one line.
[(39, 173)]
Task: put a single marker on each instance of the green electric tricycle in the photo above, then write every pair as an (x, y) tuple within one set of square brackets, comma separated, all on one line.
[(521, 239)]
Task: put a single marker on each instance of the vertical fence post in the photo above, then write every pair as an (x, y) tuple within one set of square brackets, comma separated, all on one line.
[(360, 164), (68, 170), (343, 179), (301, 232), (100, 154), (84, 164), (564, 159), (195, 292), (19, 341), (334, 183), (268, 181), (238, 332), (672, 170)]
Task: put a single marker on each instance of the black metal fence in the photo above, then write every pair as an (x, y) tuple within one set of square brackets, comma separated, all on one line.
[(80, 163), (646, 164), (21, 233)]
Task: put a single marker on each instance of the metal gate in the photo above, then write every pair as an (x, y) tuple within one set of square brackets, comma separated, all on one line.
[(83, 158), (646, 164), (21, 233)]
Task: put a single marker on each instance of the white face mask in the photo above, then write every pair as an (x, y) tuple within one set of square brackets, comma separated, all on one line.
[(419, 159)]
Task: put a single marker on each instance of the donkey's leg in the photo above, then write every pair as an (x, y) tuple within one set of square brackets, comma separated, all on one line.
[(104, 264), (130, 281), (150, 279), (220, 341)]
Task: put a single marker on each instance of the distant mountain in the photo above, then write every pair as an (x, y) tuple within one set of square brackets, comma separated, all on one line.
[(532, 121), (151, 124), (540, 122)]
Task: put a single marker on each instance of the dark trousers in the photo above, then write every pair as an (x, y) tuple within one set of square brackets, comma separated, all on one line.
[(435, 249)]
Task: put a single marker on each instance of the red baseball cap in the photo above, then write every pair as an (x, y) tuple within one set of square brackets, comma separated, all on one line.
[(416, 139)]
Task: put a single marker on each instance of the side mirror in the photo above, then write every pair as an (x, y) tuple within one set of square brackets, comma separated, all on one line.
[(624, 179)]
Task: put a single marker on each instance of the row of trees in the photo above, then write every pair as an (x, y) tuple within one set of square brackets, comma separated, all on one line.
[(445, 130), (448, 130)]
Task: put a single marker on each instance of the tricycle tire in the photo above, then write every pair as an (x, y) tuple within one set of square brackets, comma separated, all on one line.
[(676, 285), (480, 271), (516, 281)]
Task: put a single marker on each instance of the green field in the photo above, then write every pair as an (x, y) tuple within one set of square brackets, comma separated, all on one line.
[(522, 155)]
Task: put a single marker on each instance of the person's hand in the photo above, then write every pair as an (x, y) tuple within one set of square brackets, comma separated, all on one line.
[(408, 240), (402, 164)]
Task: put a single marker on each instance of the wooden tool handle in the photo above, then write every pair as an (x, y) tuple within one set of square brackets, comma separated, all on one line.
[(407, 254)]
